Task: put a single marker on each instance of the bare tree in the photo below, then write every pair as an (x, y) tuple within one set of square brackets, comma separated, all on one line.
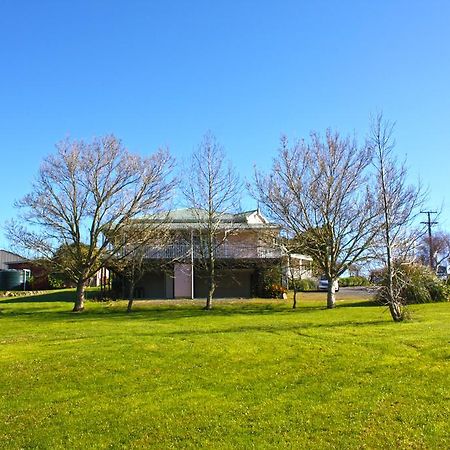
[(84, 198), (140, 250), (440, 249), (292, 271), (399, 204), (290, 246), (320, 192), (213, 191)]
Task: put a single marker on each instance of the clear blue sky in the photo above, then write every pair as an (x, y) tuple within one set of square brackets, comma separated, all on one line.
[(163, 72)]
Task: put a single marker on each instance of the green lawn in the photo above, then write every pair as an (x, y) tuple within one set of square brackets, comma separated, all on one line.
[(249, 374)]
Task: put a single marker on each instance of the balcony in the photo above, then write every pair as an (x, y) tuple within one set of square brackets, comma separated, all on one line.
[(183, 250)]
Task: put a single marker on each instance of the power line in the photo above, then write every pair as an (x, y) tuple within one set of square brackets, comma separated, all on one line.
[(429, 223)]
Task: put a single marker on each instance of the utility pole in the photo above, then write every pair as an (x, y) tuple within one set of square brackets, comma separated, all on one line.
[(192, 264), (429, 223)]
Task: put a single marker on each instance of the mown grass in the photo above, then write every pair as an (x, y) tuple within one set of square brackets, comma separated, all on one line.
[(249, 374)]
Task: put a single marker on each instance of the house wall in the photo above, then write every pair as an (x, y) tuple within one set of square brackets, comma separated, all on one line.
[(182, 280), (170, 282), (248, 244), (244, 244), (300, 267)]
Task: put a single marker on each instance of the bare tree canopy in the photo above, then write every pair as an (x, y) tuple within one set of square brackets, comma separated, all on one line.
[(142, 241), (84, 197), (319, 191), (213, 190), (399, 203), (440, 249)]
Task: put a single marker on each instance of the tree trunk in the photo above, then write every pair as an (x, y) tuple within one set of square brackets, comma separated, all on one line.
[(331, 297), (395, 309), (293, 281), (130, 296), (211, 289), (79, 302), (130, 305), (395, 306), (211, 280)]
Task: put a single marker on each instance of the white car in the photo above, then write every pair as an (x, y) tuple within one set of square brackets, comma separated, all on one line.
[(323, 285), (442, 273)]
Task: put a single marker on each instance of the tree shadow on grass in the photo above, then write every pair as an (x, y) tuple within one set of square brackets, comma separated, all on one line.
[(64, 295), (154, 311), (297, 328), (359, 304), (171, 312), (189, 330), (149, 313)]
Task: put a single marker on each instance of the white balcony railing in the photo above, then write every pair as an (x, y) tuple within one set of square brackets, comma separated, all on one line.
[(225, 251)]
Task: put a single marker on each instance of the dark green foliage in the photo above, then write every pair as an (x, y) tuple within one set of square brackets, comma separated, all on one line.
[(271, 278), (272, 275), (57, 280), (417, 284), (103, 296), (353, 281), (304, 285), (437, 290), (417, 293)]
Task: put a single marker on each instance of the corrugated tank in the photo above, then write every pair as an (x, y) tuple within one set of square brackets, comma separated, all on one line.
[(11, 280)]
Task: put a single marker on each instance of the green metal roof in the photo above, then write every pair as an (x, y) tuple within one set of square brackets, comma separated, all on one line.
[(195, 217)]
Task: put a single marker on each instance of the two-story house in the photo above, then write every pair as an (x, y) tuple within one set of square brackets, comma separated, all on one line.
[(245, 247)]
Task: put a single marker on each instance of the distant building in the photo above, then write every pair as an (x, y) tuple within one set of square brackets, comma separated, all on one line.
[(7, 258)]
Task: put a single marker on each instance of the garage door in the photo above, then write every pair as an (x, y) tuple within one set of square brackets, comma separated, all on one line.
[(230, 283)]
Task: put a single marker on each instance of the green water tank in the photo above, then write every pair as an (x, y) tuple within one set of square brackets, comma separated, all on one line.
[(11, 280)]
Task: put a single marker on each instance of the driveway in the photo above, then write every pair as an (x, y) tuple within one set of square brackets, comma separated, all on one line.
[(364, 292)]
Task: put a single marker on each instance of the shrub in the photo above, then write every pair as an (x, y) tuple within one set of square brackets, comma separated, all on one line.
[(56, 281), (104, 296), (269, 277), (416, 284), (274, 291), (304, 285), (353, 281)]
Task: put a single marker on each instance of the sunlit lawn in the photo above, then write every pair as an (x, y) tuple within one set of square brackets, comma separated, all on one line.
[(249, 374)]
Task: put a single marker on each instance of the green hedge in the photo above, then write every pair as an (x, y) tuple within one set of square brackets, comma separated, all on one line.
[(353, 281), (304, 285)]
